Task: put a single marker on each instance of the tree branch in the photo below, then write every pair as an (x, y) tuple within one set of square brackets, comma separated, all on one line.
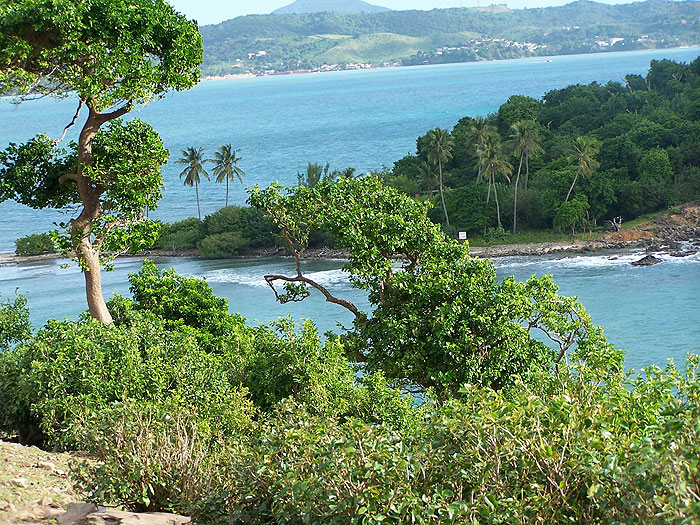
[(71, 123), (270, 279), (68, 176)]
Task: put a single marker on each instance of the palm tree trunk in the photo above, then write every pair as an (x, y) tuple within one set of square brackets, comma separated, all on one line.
[(199, 211), (498, 208), (572, 187), (227, 192), (515, 195), (442, 194)]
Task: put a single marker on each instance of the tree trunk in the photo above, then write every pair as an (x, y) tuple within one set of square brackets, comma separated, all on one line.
[(227, 192), (442, 194), (498, 207), (572, 187), (515, 195), (527, 169), (87, 254)]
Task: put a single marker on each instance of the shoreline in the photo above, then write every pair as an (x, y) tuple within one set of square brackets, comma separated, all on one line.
[(675, 231), (367, 66)]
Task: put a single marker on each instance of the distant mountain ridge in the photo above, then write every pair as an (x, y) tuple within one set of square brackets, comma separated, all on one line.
[(329, 6), (262, 44)]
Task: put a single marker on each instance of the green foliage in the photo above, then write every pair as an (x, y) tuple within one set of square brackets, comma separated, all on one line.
[(416, 37), (442, 319), (102, 50), (222, 245), (180, 235), (249, 223), (14, 322), (35, 244)]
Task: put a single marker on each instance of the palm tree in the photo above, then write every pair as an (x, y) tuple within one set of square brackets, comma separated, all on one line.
[(494, 162), (439, 144), (192, 158), (225, 168), (526, 141), (478, 131), (582, 153), (426, 171)]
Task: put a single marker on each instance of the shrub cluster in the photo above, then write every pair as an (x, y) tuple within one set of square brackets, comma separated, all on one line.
[(185, 408), (35, 244)]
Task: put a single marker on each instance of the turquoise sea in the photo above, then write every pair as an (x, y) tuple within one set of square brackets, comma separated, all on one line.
[(364, 119)]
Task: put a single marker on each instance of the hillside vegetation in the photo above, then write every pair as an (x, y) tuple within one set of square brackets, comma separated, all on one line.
[(280, 42)]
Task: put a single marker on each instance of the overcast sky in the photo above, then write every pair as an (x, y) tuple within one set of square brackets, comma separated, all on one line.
[(215, 11)]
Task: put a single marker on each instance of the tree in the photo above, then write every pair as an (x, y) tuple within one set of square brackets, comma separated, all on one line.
[(426, 172), (582, 153), (526, 142), (194, 162), (441, 318), (494, 162), (225, 168), (439, 145), (111, 56), (478, 131), (314, 174)]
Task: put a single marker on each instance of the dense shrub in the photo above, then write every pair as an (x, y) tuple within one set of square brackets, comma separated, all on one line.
[(249, 223), (222, 245), (14, 322), (181, 235), (35, 244)]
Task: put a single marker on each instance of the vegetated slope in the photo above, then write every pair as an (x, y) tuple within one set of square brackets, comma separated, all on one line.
[(290, 41), (335, 6)]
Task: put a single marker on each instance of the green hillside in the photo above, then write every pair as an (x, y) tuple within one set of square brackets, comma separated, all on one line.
[(294, 41), (334, 6)]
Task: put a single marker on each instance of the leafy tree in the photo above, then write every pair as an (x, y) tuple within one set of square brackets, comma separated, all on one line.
[(582, 154), (516, 109), (526, 141), (193, 159), (111, 56), (439, 145), (493, 163), (571, 212), (225, 166), (439, 320)]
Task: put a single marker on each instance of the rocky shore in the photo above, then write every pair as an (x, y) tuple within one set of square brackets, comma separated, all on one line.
[(676, 232)]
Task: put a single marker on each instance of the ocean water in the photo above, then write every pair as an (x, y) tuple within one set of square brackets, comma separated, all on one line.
[(651, 312), (363, 119)]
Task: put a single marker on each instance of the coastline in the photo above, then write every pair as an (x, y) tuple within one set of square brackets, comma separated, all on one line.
[(365, 66), (676, 231)]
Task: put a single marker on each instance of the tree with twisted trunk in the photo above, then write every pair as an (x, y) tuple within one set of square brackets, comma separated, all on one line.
[(111, 56)]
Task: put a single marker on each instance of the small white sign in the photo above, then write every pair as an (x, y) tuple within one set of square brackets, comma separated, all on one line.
[(462, 236)]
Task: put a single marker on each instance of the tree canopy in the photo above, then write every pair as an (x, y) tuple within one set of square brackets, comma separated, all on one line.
[(110, 55)]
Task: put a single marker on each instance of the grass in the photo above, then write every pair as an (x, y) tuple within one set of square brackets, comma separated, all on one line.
[(641, 219)]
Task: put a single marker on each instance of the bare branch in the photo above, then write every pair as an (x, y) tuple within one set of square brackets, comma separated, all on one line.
[(71, 123)]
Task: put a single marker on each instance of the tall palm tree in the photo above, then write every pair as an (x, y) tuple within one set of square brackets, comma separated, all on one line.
[(525, 141), (439, 144), (582, 153), (478, 132), (494, 162), (225, 168), (194, 167)]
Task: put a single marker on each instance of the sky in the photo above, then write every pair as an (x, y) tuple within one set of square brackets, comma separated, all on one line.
[(215, 11)]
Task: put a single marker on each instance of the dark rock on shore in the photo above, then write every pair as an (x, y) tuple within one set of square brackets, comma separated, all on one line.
[(649, 260)]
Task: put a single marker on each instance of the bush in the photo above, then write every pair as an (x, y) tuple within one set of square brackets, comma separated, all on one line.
[(181, 235), (35, 244), (14, 322), (249, 223), (222, 245)]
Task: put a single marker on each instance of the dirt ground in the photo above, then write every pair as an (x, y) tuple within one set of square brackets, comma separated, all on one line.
[(35, 485)]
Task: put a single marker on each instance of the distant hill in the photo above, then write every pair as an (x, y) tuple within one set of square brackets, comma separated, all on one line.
[(266, 43), (329, 6)]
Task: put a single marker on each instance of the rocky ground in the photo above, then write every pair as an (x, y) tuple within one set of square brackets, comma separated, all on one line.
[(35, 486)]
